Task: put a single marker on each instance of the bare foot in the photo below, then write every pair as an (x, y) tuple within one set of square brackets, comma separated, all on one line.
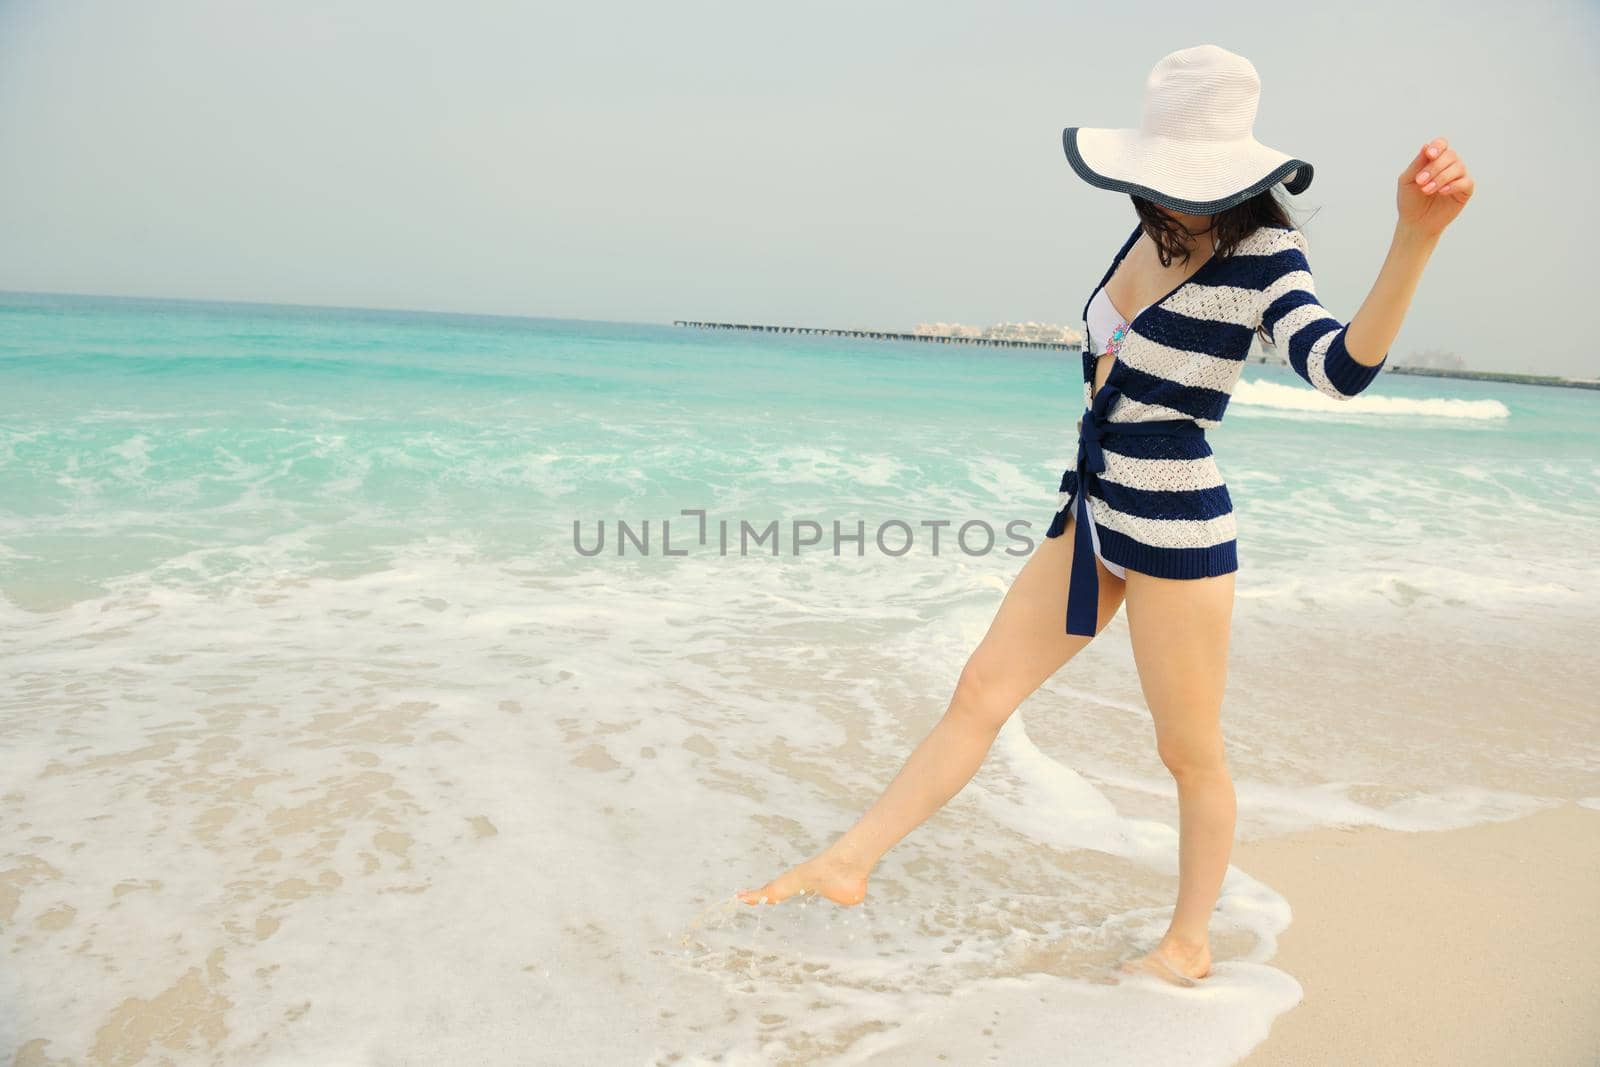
[(825, 875), (1173, 962)]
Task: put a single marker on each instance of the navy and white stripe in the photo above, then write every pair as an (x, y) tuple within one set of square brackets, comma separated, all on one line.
[(1310, 336), (1160, 506)]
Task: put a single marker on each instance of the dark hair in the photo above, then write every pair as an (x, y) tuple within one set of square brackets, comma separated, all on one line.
[(1231, 225)]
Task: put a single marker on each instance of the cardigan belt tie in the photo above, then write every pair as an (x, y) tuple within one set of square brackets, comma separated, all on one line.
[(1083, 584)]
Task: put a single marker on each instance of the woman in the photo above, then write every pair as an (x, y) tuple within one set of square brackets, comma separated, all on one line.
[(1213, 263)]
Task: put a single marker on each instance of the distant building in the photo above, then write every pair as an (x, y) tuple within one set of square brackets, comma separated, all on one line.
[(1004, 331), (1437, 359)]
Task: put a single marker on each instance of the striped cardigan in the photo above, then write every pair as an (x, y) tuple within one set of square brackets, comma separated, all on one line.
[(1155, 496)]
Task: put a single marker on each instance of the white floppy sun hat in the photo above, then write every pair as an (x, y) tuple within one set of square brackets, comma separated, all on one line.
[(1194, 149)]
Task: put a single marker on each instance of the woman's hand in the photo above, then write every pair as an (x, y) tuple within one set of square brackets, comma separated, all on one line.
[(1433, 189)]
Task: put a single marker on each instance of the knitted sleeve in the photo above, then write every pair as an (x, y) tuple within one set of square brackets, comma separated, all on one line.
[(1303, 331)]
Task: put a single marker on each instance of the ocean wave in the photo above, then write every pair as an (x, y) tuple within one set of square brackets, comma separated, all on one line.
[(1280, 397)]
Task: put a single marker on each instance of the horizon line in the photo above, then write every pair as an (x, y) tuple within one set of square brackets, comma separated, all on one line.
[(668, 324), (395, 310), (301, 306)]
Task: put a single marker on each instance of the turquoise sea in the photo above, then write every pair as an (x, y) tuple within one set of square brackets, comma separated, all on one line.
[(325, 742)]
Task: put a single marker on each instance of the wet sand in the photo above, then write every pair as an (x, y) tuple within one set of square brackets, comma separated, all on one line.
[(1471, 946)]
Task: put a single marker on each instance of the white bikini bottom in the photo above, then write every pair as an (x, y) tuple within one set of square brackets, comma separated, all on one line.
[(1094, 536)]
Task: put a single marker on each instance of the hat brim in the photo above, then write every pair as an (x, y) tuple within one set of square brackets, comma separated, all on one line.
[(1199, 177)]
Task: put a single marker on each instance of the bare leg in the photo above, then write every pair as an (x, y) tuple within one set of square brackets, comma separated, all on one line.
[(1179, 630), (1025, 644)]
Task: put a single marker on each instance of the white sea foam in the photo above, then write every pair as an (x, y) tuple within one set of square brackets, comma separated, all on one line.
[(1275, 809), (520, 793), (1263, 396), (1003, 480)]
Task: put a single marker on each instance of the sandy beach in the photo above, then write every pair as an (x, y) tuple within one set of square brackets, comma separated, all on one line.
[(1471, 946)]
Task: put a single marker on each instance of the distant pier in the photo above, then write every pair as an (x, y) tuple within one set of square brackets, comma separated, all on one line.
[(883, 335)]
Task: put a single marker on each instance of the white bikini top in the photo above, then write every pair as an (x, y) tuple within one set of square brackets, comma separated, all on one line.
[(1104, 320)]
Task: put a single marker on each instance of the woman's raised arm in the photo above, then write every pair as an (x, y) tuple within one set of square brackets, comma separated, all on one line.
[(1341, 360)]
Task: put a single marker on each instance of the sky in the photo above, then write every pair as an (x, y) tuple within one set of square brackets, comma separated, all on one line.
[(863, 165)]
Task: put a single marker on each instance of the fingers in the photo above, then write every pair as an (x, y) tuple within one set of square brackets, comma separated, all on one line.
[(1413, 168), (1434, 171), (1437, 171), (1444, 176), (1427, 157)]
